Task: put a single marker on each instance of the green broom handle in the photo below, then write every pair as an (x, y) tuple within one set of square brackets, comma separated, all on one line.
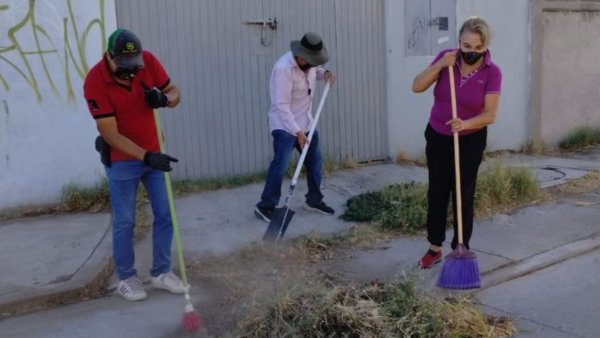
[(456, 158), (171, 204)]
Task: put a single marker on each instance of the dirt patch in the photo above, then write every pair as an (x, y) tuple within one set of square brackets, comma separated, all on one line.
[(586, 184), (250, 278)]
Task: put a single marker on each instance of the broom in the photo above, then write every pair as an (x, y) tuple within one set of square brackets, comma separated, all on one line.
[(191, 319), (460, 270)]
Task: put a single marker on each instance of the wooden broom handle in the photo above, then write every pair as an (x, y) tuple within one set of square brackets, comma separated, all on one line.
[(458, 215)]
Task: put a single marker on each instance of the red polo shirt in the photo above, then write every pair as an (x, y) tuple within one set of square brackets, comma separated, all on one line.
[(135, 119)]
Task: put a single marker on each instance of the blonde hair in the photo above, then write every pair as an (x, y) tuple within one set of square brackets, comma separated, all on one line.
[(477, 25)]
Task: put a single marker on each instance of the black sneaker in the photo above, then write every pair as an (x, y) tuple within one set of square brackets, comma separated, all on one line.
[(264, 214), (320, 207)]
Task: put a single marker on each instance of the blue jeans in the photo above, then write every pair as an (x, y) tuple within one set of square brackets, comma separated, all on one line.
[(124, 178), (283, 146)]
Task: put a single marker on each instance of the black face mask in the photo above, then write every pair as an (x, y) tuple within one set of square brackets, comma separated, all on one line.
[(126, 73), (305, 66), (470, 58)]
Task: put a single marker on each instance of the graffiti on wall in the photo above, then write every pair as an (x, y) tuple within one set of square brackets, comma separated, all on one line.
[(417, 38), (46, 51)]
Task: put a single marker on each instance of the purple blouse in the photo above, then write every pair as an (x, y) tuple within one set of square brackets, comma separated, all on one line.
[(470, 93)]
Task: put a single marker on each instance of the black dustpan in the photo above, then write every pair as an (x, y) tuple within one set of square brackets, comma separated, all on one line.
[(280, 220)]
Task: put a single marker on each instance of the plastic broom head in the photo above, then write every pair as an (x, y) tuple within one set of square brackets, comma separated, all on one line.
[(460, 270), (191, 320)]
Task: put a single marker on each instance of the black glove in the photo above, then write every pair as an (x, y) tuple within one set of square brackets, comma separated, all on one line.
[(104, 149), (155, 98), (159, 161)]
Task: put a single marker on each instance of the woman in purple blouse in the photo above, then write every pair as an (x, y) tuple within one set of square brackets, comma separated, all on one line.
[(478, 82)]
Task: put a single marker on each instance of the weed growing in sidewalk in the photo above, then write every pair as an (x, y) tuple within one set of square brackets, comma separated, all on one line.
[(329, 165), (588, 183), (399, 206), (182, 187), (77, 198), (404, 206), (501, 188), (580, 138), (365, 207), (535, 148), (408, 207)]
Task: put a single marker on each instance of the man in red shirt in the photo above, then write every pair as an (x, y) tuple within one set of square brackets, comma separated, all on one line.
[(121, 91)]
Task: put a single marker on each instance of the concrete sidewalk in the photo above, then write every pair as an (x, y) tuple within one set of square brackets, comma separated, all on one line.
[(53, 257)]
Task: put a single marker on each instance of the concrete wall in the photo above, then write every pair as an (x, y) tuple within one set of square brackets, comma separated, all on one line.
[(409, 112), (46, 132), (566, 71)]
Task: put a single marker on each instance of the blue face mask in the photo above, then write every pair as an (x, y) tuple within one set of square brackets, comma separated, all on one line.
[(470, 58)]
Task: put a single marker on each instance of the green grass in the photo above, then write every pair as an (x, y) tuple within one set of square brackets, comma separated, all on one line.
[(329, 165), (580, 138), (365, 207), (399, 206), (182, 187), (77, 198), (404, 206), (500, 188), (535, 148)]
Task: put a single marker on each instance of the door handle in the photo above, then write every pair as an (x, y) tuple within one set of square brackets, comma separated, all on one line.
[(271, 23)]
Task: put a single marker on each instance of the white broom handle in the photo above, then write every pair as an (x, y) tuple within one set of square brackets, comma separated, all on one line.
[(456, 158), (310, 135)]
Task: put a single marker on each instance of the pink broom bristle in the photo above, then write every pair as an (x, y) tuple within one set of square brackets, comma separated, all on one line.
[(191, 320)]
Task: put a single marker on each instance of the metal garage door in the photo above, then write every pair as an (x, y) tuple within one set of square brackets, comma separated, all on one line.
[(220, 53)]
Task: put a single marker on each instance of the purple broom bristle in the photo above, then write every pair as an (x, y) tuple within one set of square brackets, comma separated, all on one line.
[(459, 272)]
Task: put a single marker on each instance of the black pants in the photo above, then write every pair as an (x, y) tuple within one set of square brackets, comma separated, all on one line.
[(440, 162)]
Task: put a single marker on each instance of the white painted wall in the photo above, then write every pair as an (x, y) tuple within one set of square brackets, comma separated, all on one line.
[(46, 132), (409, 112)]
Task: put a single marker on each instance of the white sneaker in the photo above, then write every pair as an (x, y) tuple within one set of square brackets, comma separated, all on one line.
[(168, 281), (132, 289)]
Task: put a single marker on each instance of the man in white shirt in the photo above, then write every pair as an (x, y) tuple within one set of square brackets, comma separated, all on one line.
[(292, 87)]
